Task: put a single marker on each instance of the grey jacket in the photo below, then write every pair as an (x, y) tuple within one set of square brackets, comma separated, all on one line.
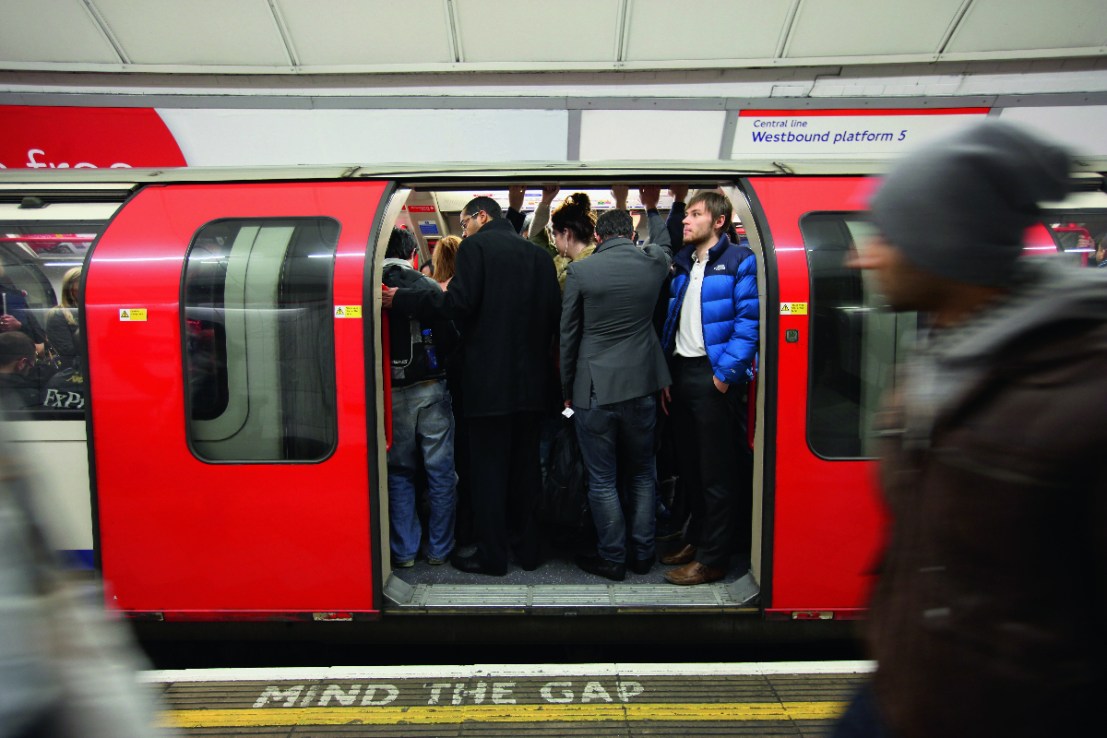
[(608, 342)]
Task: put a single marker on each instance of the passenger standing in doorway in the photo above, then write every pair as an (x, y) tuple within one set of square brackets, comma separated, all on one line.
[(987, 617), (505, 301), (445, 259), (711, 331), (422, 417), (612, 368)]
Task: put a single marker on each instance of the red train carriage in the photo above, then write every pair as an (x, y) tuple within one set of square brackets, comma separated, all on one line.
[(237, 422)]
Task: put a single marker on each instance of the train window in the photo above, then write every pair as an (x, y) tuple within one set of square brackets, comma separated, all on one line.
[(259, 340), (34, 259), (1081, 236), (854, 343)]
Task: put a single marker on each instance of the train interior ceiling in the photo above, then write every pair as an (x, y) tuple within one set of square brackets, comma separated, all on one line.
[(432, 214)]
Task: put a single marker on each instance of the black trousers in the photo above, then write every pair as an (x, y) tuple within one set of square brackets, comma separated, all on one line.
[(713, 459), (505, 480)]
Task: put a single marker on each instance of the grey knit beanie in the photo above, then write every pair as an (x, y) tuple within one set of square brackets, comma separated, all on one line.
[(958, 207)]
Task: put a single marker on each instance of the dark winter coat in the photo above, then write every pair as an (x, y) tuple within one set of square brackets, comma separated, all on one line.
[(987, 618), (416, 356), (505, 301)]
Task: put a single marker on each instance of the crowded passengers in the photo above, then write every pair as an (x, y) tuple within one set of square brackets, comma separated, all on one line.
[(649, 348), (40, 368)]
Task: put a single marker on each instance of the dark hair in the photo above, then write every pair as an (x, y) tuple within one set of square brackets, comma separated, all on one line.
[(576, 216), (614, 223), (15, 345), (487, 204), (401, 244), (715, 204)]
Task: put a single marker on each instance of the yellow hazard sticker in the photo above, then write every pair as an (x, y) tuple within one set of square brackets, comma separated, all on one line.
[(793, 308), (132, 315), (347, 311)]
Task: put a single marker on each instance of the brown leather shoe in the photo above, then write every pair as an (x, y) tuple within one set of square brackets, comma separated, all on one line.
[(695, 573), (683, 556)]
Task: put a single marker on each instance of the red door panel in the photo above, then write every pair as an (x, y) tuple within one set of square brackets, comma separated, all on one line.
[(182, 535), (827, 517)]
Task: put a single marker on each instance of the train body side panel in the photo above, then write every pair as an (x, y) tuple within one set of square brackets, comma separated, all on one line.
[(827, 518), (179, 534)]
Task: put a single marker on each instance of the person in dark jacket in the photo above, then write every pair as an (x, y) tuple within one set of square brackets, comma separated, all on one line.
[(711, 332), (986, 619), (422, 418), (18, 391), (15, 313), (505, 301), (62, 329)]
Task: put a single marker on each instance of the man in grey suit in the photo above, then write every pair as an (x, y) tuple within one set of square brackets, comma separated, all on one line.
[(612, 368)]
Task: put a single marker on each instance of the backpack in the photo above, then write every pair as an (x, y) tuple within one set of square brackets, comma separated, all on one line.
[(411, 342), (563, 504)]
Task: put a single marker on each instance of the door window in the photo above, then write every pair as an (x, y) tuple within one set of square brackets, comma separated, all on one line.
[(39, 262), (259, 340), (1082, 237), (855, 342)]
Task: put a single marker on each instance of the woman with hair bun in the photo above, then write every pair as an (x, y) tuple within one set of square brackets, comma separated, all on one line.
[(573, 225)]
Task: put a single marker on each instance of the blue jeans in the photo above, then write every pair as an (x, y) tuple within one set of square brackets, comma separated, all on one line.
[(422, 425), (620, 433)]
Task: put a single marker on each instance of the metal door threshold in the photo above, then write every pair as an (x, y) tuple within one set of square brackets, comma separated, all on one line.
[(557, 599)]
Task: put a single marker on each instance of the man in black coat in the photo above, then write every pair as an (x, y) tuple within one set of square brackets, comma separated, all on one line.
[(505, 300)]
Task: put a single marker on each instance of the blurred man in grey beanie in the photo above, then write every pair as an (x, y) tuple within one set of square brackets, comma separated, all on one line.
[(986, 616)]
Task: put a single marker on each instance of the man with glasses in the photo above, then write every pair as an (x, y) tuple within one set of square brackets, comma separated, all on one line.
[(504, 299)]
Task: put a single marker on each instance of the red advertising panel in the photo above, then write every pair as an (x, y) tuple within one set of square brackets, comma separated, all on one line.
[(43, 137)]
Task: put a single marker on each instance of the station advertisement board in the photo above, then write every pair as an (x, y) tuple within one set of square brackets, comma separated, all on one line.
[(47, 137)]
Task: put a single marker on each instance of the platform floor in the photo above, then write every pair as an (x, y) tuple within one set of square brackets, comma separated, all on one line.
[(687, 700)]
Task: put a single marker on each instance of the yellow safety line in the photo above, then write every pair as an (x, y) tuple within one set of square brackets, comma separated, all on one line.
[(448, 714)]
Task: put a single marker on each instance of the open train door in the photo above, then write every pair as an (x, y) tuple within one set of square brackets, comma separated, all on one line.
[(230, 436)]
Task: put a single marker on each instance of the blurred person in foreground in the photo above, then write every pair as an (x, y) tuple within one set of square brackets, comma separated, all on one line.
[(66, 670), (986, 619)]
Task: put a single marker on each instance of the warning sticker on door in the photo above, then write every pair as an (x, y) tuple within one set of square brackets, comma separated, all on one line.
[(793, 308), (347, 311), (132, 315)]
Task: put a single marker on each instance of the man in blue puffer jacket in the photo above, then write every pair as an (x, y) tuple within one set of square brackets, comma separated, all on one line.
[(711, 333)]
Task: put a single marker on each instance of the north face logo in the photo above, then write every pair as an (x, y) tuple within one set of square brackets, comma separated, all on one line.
[(719, 268)]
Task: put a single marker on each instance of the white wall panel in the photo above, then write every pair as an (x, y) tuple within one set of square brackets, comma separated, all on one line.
[(1083, 129), (208, 32), (355, 32), (738, 29), (537, 30), (693, 135), (52, 31), (1001, 25), (260, 137), (827, 28)]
